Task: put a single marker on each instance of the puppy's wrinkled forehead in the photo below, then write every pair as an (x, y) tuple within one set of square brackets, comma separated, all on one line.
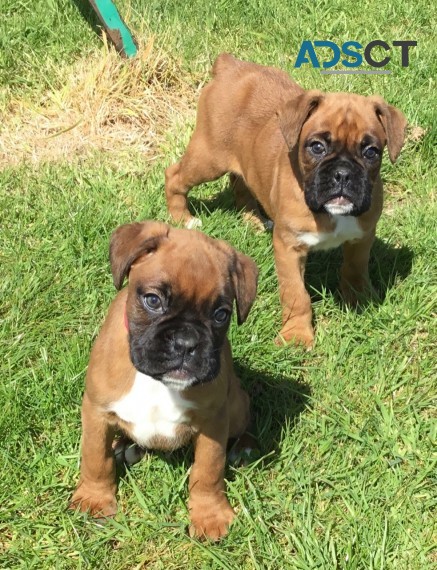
[(345, 117), (191, 266)]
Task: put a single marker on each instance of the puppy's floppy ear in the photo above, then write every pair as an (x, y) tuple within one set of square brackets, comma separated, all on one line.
[(293, 114), (394, 123), (244, 275), (130, 241)]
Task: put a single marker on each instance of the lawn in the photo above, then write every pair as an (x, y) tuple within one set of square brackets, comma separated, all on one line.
[(347, 477)]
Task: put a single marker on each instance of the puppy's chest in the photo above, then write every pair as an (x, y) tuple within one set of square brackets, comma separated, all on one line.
[(346, 228), (157, 416)]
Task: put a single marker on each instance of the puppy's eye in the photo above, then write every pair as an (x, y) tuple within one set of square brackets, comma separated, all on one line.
[(371, 152), (153, 303), (317, 148), (221, 316)]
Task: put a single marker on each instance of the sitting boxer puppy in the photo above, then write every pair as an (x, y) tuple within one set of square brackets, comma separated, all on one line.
[(312, 161), (161, 368)]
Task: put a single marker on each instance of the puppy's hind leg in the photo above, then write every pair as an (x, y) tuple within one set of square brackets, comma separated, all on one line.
[(198, 165), (127, 452), (244, 447)]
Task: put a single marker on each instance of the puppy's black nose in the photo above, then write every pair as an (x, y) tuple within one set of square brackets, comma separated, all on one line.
[(186, 340), (342, 176)]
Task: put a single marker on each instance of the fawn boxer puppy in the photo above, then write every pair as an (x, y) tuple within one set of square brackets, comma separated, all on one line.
[(312, 161), (161, 368)]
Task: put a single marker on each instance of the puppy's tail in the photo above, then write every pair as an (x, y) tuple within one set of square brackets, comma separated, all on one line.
[(223, 63)]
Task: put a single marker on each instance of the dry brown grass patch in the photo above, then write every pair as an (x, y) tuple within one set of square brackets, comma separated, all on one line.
[(106, 103)]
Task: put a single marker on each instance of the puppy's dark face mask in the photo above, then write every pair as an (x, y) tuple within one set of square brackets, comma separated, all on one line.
[(340, 180), (182, 287), (175, 337), (336, 141)]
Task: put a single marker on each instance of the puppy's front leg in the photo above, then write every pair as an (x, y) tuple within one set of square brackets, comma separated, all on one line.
[(290, 259), (96, 489), (210, 511), (355, 285)]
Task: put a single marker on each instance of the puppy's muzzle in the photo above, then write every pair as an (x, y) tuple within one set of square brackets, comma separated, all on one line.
[(188, 355), (342, 179), (177, 350), (185, 341), (339, 187)]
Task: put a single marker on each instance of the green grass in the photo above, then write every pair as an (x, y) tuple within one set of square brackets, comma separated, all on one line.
[(348, 431)]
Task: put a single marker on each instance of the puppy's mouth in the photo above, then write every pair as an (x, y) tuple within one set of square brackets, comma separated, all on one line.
[(191, 361), (179, 379), (339, 205)]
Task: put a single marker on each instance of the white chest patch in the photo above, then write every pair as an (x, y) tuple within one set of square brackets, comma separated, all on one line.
[(152, 408), (346, 229)]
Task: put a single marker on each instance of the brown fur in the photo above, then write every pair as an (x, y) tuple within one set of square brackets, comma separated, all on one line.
[(253, 121), (147, 252)]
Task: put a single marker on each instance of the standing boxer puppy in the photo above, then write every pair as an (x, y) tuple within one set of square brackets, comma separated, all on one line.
[(311, 159), (161, 368)]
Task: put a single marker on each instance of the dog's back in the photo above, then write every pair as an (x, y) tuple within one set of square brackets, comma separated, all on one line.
[(240, 99), (249, 89)]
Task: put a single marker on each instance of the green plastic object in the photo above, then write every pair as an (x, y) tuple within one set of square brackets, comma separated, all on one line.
[(115, 27)]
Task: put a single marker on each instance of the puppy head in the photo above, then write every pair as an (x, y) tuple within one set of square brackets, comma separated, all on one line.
[(182, 286), (339, 139)]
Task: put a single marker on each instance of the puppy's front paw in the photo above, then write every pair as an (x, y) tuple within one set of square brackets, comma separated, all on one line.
[(98, 506), (211, 521)]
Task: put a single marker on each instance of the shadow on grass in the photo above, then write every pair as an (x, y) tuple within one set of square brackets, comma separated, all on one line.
[(387, 264), (277, 401), (223, 201), (88, 14)]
